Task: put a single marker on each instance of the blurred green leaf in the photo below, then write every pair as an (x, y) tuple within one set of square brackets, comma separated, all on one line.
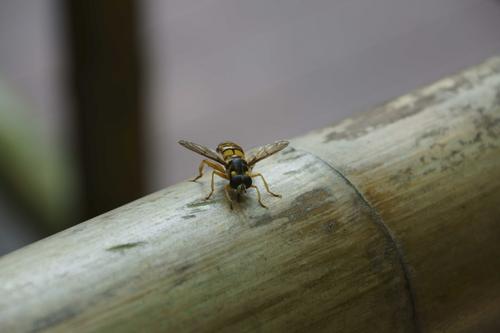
[(35, 166)]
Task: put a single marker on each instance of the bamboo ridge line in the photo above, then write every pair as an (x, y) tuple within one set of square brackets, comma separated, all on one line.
[(384, 229)]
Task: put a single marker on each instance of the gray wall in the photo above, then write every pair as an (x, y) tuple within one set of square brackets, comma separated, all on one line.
[(255, 71), (32, 60)]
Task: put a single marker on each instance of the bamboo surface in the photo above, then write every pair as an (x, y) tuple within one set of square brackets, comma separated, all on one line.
[(389, 222)]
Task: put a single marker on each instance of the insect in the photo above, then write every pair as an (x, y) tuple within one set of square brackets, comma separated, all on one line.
[(230, 162)]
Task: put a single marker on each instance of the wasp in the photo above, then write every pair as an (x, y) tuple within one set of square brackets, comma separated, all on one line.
[(230, 162)]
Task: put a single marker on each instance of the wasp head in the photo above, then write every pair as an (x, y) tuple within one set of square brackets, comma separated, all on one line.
[(240, 182), (239, 175)]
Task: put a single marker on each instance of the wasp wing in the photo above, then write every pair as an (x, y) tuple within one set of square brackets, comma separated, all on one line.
[(202, 150), (266, 151)]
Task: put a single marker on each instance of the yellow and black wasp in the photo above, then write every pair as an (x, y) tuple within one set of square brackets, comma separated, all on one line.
[(232, 164)]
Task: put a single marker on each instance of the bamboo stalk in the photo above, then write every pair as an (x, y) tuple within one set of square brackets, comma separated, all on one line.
[(388, 223)]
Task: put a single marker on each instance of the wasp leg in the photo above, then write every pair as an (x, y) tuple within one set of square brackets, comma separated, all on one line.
[(258, 196), (218, 173), (210, 164), (226, 192), (265, 184)]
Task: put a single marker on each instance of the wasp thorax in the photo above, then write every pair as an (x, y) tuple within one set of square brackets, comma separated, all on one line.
[(230, 150)]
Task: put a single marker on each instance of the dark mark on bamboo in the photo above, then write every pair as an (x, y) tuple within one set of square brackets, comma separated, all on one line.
[(496, 102), (429, 171), (330, 226), (288, 150), (124, 247), (181, 273), (201, 203), (53, 319), (292, 158), (431, 134), (292, 172), (487, 123), (183, 268)]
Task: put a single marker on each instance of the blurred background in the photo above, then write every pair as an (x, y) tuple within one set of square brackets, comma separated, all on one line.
[(94, 95)]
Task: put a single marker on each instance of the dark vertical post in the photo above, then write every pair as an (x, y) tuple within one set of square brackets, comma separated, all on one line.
[(105, 71)]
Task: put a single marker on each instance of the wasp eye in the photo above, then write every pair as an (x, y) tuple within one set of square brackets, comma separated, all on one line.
[(237, 180), (247, 181)]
